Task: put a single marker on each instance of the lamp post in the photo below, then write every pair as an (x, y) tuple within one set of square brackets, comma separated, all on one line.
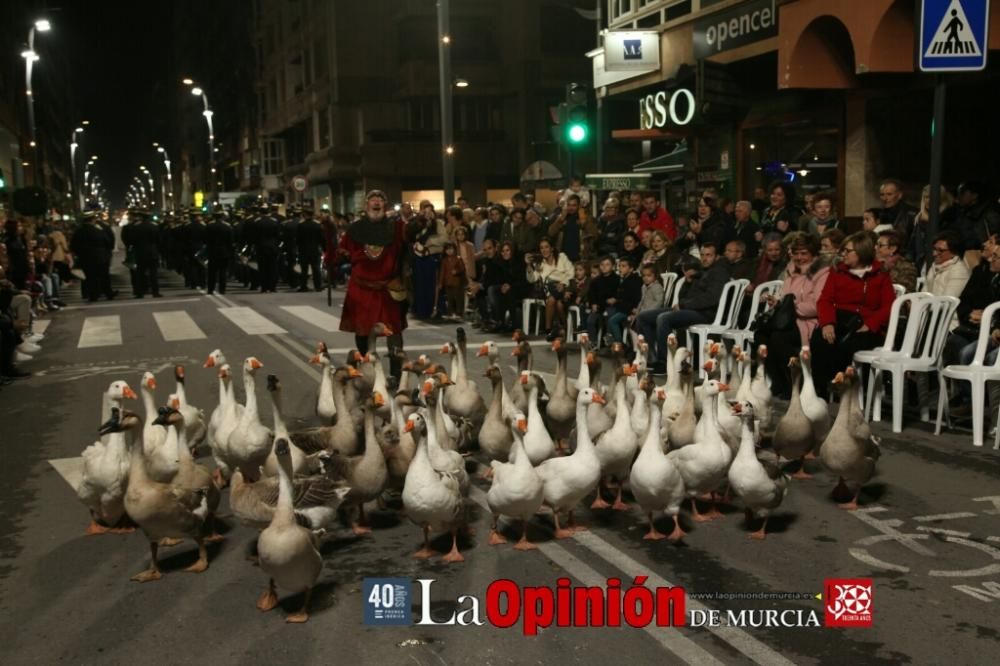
[(30, 58), (198, 91), (444, 72), (72, 164), (168, 191), (152, 188)]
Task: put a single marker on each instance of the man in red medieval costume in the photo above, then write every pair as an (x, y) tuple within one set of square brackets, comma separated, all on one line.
[(376, 247)]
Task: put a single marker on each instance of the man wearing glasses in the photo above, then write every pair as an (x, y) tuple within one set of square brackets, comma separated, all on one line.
[(901, 270)]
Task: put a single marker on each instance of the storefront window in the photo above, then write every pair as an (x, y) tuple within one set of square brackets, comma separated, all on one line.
[(803, 154)]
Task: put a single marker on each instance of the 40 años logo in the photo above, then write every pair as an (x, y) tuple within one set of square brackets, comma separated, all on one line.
[(508, 603)]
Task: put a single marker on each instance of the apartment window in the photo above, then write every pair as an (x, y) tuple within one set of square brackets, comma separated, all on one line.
[(274, 156), (478, 114), (424, 114), (319, 59), (307, 76), (620, 8)]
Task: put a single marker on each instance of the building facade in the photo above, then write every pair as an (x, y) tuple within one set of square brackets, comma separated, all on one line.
[(824, 93), (348, 94)]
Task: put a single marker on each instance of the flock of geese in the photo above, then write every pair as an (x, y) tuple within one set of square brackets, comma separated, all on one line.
[(668, 443)]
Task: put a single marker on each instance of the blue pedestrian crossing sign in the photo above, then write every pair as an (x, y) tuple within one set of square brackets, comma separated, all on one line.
[(953, 35)]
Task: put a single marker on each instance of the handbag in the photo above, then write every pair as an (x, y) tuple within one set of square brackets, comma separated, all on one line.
[(847, 324), (779, 318), (396, 289)]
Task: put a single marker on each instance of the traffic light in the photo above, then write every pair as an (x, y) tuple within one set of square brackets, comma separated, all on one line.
[(3, 181), (575, 119)]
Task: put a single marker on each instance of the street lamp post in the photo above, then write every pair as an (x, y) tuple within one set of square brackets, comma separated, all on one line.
[(444, 71), (74, 189), (168, 191), (198, 91), (30, 57)]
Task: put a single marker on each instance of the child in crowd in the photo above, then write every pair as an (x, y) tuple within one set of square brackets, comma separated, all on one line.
[(466, 250), (652, 291), (626, 299), (602, 293), (576, 291), (452, 281)]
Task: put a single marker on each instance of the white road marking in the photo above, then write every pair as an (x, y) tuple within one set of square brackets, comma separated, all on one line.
[(177, 325), (70, 469), (668, 637), (886, 527), (944, 516), (307, 313), (941, 530), (123, 304), (739, 639), (862, 555), (41, 325), (994, 500), (250, 321), (993, 538), (101, 332), (988, 570)]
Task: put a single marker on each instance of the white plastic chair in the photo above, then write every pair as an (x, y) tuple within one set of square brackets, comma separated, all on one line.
[(669, 281), (977, 374), (574, 320), (675, 298), (899, 289), (922, 357), (527, 305), (725, 316), (921, 281), (865, 357), (741, 337)]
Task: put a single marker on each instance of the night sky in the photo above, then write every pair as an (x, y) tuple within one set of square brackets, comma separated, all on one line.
[(118, 52)]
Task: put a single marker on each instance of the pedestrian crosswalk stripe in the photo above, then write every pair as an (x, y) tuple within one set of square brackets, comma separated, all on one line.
[(314, 316), (101, 332), (70, 469), (250, 321), (177, 325)]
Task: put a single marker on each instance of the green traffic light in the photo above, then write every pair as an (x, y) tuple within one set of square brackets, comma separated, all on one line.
[(577, 133)]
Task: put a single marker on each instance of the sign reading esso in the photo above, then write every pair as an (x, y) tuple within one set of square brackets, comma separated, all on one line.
[(656, 108)]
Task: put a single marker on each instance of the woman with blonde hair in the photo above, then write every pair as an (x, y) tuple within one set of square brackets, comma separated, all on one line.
[(916, 245)]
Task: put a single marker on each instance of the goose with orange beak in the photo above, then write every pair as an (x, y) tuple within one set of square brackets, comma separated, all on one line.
[(761, 484), (326, 408), (849, 450), (561, 408), (250, 442), (793, 438), (516, 491), (105, 471), (568, 479)]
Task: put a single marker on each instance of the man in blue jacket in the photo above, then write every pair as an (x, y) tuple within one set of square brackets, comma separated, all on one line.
[(697, 306)]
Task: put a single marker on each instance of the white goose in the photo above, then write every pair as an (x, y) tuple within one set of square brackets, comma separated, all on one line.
[(250, 441), (516, 492), (761, 391), (195, 427), (495, 437), (113, 397), (568, 479), (675, 392), (761, 484), (704, 464), (538, 442), (287, 551), (464, 399), (816, 408), (230, 412), (639, 412), (380, 386), (302, 463), (490, 350), (432, 500), (655, 481), (217, 359), (161, 462), (105, 471), (326, 408), (616, 447), (849, 450)]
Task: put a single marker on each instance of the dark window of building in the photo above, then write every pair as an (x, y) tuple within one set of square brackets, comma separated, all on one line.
[(650, 21), (416, 39), (424, 114), (324, 128), (298, 142), (564, 32), (274, 162), (678, 10), (473, 40)]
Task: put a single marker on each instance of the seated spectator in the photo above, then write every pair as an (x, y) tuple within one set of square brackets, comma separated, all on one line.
[(601, 294), (804, 278), (573, 232), (712, 227), (631, 247), (576, 292), (781, 216), (16, 344), (948, 213), (661, 254), (689, 237), (611, 226), (655, 217), (977, 220), (870, 222), (485, 275), (948, 273), (506, 290), (549, 273), (770, 264), (625, 303), (853, 310), (961, 405), (740, 268), (901, 270), (743, 228), (979, 292), (652, 291), (822, 218), (632, 221), (829, 246), (697, 305), (480, 227)]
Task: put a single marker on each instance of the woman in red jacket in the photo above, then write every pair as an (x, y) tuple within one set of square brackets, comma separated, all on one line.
[(853, 310)]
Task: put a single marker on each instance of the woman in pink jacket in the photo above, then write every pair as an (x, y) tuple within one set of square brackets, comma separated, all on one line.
[(804, 279)]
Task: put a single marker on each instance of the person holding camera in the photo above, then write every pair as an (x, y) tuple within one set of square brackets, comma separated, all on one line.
[(550, 273)]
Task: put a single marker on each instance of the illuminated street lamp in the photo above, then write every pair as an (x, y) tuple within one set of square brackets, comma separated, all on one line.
[(30, 58), (169, 189), (197, 91), (72, 163)]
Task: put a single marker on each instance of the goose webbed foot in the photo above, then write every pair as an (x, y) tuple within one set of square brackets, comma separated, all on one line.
[(303, 613), (96, 528), (268, 599)]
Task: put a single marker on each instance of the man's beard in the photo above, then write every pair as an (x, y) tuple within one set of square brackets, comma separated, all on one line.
[(376, 215)]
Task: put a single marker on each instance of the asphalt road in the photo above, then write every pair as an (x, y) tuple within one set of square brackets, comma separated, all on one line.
[(928, 533)]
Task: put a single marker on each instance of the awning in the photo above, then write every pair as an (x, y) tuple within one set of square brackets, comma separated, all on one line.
[(541, 170)]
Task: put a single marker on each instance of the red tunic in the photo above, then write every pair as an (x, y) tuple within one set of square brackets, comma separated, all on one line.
[(364, 307)]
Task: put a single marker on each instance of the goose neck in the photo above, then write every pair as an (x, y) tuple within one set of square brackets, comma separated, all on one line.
[(583, 441), (280, 429), (250, 382), (285, 510)]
